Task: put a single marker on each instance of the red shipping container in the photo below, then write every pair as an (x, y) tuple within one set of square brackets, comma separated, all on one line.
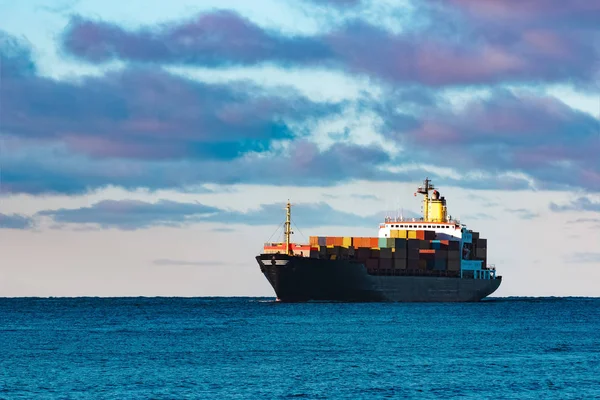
[(374, 242)]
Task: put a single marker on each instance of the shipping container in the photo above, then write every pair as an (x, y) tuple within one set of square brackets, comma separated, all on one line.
[(399, 263), (382, 242), (330, 240), (439, 245), (399, 253), (322, 241), (426, 251), (335, 250), (314, 254), (403, 234), (362, 253), (440, 265), (453, 265), (386, 263), (481, 243), (412, 263), (480, 253), (374, 242), (424, 244), (441, 254), (475, 235), (453, 254), (394, 233), (412, 244), (422, 264), (346, 241), (313, 240), (385, 252), (375, 253), (399, 243), (372, 263), (454, 245), (412, 254), (411, 234)]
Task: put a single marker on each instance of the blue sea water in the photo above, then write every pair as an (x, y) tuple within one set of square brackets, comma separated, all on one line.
[(252, 348)]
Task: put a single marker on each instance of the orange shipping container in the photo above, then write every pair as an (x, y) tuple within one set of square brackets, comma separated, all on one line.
[(426, 251), (314, 240), (330, 241), (374, 243)]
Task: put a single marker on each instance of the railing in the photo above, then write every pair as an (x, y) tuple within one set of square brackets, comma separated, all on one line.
[(402, 219)]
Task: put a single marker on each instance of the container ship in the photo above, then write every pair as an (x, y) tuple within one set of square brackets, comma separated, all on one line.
[(433, 258)]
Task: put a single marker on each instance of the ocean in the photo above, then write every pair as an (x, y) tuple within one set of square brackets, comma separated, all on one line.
[(256, 348)]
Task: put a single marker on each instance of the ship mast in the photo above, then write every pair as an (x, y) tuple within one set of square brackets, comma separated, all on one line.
[(424, 190), (288, 227)]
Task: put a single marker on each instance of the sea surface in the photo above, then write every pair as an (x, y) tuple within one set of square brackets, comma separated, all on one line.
[(256, 348)]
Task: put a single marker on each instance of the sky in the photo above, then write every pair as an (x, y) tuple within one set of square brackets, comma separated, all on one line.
[(148, 148)]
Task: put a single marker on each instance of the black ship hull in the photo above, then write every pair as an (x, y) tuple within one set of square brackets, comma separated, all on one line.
[(302, 279)]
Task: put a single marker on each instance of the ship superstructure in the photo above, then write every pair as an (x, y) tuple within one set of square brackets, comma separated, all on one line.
[(432, 258)]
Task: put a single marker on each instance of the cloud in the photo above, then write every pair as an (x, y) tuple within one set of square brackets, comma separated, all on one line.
[(15, 221), (133, 214), (151, 114), (227, 230), (585, 220), (146, 128), (583, 258), (169, 262), (579, 204), (460, 44), (522, 213), (364, 196), (550, 12), (479, 216), (214, 39), (17, 60), (555, 145), (38, 169)]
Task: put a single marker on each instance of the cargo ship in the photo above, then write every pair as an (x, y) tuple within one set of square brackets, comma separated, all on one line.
[(433, 258)]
